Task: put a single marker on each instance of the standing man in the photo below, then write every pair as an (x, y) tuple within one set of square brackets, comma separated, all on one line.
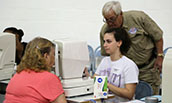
[(146, 36)]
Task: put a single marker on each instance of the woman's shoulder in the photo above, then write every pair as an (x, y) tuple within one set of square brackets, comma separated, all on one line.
[(24, 44), (129, 64), (49, 74), (45, 75), (128, 60), (48, 77)]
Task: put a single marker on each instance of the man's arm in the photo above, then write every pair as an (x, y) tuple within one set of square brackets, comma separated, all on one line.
[(156, 34), (159, 60)]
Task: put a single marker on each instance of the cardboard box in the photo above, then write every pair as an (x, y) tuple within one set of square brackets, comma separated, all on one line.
[(100, 87)]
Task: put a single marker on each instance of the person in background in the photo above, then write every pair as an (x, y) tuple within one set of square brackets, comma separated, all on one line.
[(20, 46), (33, 82), (122, 73), (147, 42)]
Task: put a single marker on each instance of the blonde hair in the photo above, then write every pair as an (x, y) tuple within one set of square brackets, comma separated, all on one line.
[(33, 58)]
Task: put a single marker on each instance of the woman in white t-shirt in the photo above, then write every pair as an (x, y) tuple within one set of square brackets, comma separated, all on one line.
[(122, 72)]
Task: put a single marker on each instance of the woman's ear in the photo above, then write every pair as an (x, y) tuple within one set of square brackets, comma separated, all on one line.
[(119, 43)]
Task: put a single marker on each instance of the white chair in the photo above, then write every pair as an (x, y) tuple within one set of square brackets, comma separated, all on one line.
[(98, 56), (164, 52), (166, 49), (91, 66), (166, 77)]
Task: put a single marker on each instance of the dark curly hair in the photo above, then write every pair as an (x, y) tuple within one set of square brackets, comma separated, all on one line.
[(121, 34), (15, 31)]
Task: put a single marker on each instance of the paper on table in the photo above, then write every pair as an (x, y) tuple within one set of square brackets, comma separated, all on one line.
[(134, 101)]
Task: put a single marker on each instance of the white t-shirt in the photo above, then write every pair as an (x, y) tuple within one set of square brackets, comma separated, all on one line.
[(119, 73)]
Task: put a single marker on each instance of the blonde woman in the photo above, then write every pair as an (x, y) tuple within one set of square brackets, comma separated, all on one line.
[(33, 82)]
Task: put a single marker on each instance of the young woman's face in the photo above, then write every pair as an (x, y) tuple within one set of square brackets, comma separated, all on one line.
[(51, 58), (110, 44)]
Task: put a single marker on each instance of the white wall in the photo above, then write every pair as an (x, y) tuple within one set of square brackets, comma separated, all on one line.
[(77, 19)]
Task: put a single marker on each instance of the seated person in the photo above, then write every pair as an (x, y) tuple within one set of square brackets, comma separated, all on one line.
[(122, 73), (33, 82), (20, 46)]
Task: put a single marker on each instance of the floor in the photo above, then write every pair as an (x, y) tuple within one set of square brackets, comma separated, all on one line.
[(1, 98)]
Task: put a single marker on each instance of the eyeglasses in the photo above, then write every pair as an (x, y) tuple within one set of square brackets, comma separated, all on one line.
[(113, 19)]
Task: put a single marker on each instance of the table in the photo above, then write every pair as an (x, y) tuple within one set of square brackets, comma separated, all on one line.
[(87, 99)]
